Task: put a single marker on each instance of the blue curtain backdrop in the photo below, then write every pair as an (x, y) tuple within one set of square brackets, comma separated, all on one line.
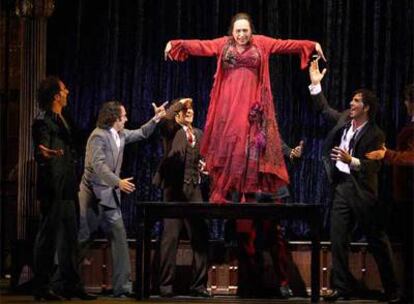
[(113, 49)]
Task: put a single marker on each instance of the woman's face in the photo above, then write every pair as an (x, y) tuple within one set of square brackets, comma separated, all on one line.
[(242, 32)]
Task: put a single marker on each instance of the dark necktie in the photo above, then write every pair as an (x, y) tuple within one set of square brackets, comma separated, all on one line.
[(352, 143)]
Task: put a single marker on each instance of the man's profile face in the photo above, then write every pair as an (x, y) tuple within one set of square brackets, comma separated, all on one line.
[(357, 108), (119, 124), (62, 96), (186, 115)]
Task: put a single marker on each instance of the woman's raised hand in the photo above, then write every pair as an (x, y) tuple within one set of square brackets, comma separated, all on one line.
[(319, 50), (167, 50)]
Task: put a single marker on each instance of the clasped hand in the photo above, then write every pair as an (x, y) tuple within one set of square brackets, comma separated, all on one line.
[(338, 153), (50, 153)]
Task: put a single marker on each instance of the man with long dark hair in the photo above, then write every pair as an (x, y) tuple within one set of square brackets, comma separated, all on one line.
[(101, 186), (56, 155), (354, 181)]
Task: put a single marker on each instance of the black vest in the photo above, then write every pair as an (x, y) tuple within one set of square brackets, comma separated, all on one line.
[(192, 157)]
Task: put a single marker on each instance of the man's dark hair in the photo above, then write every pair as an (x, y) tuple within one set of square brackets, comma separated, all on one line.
[(240, 16), (108, 114), (46, 92), (174, 101), (409, 93), (369, 99)]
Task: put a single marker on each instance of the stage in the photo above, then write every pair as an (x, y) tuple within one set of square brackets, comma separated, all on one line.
[(12, 298)]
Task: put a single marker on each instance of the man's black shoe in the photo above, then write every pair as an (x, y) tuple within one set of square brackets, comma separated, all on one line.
[(83, 295), (285, 292), (394, 298), (335, 295), (200, 293), (168, 294), (124, 295), (79, 294), (46, 295)]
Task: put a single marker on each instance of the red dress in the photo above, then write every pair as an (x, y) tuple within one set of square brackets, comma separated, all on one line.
[(241, 143)]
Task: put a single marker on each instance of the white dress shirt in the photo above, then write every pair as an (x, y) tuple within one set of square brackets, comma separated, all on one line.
[(115, 136), (346, 138)]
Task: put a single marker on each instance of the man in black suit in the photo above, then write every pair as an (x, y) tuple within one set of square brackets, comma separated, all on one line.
[(55, 155), (179, 175), (354, 182)]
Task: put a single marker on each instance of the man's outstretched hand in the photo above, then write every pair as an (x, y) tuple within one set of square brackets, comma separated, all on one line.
[(126, 186)]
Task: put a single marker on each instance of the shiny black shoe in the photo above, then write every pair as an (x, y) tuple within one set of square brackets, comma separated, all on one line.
[(394, 297), (336, 295), (285, 292), (46, 295), (200, 294), (83, 295), (124, 295), (167, 294), (78, 294)]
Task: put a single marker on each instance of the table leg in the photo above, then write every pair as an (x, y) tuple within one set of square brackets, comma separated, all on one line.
[(139, 257), (315, 260), (147, 257)]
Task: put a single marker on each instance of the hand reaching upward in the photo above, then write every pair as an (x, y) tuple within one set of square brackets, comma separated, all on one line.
[(314, 72)]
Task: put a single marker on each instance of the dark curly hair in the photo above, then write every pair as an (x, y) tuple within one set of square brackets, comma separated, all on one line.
[(369, 99), (46, 92), (240, 16), (108, 114)]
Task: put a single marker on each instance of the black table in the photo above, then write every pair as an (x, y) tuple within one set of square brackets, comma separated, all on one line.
[(149, 212)]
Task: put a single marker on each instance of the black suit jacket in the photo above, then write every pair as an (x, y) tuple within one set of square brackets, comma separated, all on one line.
[(170, 172), (368, 139), (56, 176)]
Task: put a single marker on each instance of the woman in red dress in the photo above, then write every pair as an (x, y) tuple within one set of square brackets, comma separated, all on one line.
[(241, 141)]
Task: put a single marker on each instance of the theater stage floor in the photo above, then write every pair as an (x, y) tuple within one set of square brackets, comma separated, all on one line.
[(10, 298), (7, 297)]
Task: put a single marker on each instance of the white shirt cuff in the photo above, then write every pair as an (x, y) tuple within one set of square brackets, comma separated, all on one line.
[(355, 164), (315, 89)]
